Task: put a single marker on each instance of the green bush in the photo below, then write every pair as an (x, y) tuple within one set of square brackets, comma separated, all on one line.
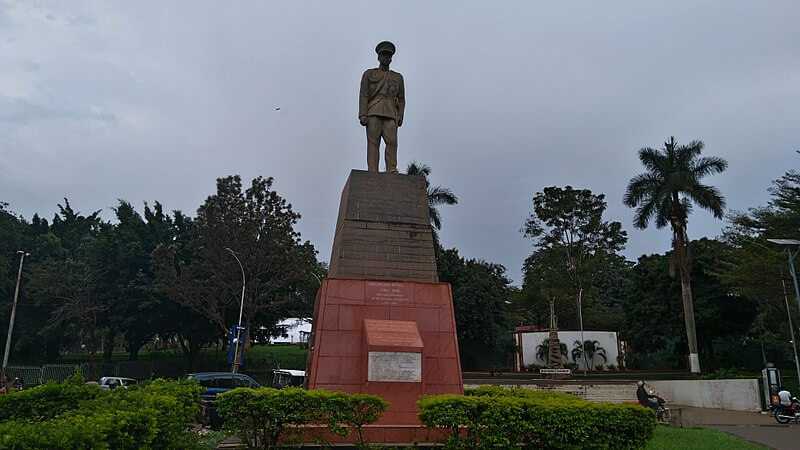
[(261, 417), (352, 410), (46, 401), (111, 430), (493, 417), (173, 405), (157, 415)]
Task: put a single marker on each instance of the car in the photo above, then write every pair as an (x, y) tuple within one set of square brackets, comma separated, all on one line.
[(282, 378), (216, 383), (219, 382), (115, 382)]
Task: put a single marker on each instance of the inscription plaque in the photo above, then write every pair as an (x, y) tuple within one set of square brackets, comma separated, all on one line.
[(395, 367)]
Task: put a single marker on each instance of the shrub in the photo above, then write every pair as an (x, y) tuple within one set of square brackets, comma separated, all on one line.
[(157, 415), (110, 430), (173, 405), (261, 417), (354, 411), (46, 401), (494, 417)]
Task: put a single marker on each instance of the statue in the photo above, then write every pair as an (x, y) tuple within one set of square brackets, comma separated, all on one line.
[(381, 103)]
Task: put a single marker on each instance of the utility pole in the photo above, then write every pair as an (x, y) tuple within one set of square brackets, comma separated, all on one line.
[(235, 365), (22, 256)]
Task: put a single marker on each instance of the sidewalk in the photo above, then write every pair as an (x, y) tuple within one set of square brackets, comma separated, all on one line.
[(750, 426)]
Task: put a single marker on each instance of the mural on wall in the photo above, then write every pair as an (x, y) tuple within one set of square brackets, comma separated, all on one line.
[(601, 349)]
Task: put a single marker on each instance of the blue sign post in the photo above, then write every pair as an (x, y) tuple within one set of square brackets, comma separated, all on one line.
[(243, 337)]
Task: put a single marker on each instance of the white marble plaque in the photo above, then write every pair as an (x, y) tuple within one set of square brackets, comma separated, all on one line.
[(395, 367)]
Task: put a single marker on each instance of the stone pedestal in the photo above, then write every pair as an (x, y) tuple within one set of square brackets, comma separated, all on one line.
[(383, 324), (383, 231), (355, 319)]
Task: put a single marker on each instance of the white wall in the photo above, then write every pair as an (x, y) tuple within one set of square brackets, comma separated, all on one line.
[(736, 395), (293, 327), (607, 339)]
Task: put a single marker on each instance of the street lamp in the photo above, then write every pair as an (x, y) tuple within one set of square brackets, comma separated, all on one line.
[(22, 256), (235, 366)]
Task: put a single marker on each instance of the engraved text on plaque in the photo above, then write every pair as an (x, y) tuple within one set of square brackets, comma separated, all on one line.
[(395, 367)]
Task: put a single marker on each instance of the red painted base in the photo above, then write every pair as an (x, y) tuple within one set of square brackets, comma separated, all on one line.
[(339, 353)]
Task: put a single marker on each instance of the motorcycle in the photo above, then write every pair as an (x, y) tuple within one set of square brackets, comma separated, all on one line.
[(663, 414), (784, 414)]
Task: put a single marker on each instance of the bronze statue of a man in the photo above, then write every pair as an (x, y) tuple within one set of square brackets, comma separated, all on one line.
[(381, 102)]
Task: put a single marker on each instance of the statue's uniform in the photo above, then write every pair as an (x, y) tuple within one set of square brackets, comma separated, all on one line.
[(382, 101)]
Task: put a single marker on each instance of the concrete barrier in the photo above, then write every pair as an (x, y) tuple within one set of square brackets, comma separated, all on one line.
[(734, 395)]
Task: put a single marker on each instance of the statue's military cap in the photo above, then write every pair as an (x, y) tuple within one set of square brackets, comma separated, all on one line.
[(385, 46)]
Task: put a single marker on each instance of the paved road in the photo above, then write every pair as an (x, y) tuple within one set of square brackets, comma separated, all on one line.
[(779, 437), (754, 427)]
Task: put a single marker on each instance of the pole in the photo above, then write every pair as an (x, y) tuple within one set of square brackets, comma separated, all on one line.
[(791, 329), (580, 322), (13, 315), (235, 366), (792, 256)]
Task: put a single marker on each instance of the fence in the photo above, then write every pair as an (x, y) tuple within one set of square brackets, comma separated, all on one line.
[(34, 375)]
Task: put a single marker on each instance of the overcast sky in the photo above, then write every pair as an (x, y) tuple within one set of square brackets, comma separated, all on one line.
[(155, 100)]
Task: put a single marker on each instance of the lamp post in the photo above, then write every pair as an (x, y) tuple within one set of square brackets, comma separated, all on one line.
[(22, 256), (235, 366)]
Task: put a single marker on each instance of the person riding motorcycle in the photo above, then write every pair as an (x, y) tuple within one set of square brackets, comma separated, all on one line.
[(646, 399)]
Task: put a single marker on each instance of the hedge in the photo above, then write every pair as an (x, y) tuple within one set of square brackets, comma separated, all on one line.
[(157, 415), (519, 418), (46, 401), (264, 417), (112, 430)]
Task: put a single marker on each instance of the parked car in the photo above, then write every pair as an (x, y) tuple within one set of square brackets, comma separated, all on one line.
[(282, 378), (216, 383), (115, 382)]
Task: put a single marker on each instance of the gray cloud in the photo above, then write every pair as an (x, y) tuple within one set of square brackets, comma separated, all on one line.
[(502, 101), (20, 111)]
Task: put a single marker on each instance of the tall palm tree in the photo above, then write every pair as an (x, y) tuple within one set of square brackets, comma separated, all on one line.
[(666, 193), (437, 195)]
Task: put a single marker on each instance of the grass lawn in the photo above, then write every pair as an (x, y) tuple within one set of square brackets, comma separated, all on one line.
[(285, 356), (667, 438)]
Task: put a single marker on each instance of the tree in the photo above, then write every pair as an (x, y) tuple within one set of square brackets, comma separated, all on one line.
[(592, 349), (65, 283), (756, 270), (573, 246), (654, 327), (543, 350), (258, 224), (480, 292), (666, 193), (437, 196)]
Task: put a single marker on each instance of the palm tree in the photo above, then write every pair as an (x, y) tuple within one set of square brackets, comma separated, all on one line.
[(592, 349), (543, 350), (437, 195), (666, 193)]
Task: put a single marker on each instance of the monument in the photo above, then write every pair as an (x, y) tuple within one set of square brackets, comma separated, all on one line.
[(383, 324), (381, 104)]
